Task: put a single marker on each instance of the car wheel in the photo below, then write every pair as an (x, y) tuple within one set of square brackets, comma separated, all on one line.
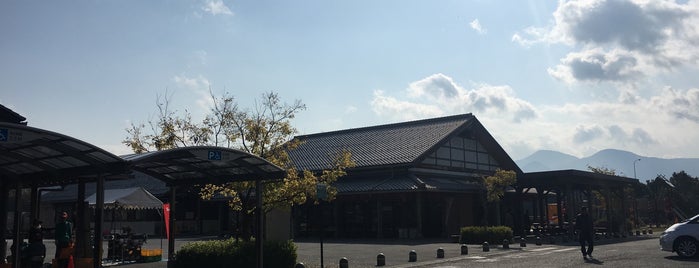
[(686, 247)]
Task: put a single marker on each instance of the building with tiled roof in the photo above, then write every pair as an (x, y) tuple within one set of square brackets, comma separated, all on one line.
[(413, 179)]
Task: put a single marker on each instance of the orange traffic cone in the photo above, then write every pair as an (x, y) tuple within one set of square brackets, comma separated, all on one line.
[(71, 263)]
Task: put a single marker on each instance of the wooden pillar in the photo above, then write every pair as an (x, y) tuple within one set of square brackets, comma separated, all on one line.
[(519, 220), (608, 201), (336, 218), (418, 206), (539, 213), (571, 203), (379, 219), (624, 209), (559, 206), (449, 201)]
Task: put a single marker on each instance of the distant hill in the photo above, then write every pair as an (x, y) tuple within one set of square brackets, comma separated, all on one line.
[(621, 161)]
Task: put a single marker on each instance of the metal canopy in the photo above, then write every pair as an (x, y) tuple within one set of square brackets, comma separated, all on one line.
[(43, 158), (203, 164)]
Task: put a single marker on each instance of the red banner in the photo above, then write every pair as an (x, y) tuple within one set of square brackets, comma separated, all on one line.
[(166, 214)]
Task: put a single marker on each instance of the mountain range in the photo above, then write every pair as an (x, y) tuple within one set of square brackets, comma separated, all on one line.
[(625, 163)]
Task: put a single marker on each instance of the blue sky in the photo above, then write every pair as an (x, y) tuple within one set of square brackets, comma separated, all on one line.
[(571, 76)]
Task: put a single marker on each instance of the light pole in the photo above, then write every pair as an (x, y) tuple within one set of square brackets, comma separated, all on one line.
[(634, 168)]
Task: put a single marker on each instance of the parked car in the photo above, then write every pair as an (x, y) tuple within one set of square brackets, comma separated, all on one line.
[(682, 238)]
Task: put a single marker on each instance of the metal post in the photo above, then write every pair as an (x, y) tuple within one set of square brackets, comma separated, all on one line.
[(18, 225), (4, 196), (99, 210), (259, 237), (171, 231)]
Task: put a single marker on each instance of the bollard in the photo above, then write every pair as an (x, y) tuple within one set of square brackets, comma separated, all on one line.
[(505, 244), (344, 263), (523, 242), (538, 240), (638, 232), (440, 253), (380, 260), (412, 256), (486, 246), (464, 249), (650, 231), (300, 265), (644, 231)]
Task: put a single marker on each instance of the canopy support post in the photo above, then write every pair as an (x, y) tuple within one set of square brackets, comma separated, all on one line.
[(259, 237), (171, 231), (99, 210)]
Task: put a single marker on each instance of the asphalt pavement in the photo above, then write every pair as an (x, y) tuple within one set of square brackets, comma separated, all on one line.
[(364, 253)]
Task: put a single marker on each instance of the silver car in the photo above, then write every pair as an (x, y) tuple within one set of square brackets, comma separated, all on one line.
[(682, 238)]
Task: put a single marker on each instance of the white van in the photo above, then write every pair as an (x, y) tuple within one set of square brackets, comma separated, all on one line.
[(682, 238)]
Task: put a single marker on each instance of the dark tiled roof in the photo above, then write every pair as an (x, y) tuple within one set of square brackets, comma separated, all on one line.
[(405, 183), (395, 184), (391, 144), (10, 116)]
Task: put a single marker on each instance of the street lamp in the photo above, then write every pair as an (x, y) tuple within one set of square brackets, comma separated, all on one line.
[(634, 167)]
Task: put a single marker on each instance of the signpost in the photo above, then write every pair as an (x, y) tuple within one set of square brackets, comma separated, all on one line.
[(321, 194)]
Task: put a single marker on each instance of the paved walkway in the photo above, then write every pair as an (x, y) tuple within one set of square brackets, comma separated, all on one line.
[(363, 253)]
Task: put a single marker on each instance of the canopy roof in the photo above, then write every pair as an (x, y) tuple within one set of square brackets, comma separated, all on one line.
[(129, 198), (572, 178), (43, 158), (203, 164)]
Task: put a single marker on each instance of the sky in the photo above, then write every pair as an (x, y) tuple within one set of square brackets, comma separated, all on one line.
[(570, 76)]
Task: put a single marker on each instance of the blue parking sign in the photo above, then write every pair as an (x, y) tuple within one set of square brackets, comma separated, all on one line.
[(3, 134), (214, 155)]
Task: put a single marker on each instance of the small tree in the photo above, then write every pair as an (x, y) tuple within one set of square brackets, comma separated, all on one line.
[(264, 131), (496, 185)]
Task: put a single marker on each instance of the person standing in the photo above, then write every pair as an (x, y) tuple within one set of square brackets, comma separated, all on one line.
[(63, 236), (584, 225), (36, 251)]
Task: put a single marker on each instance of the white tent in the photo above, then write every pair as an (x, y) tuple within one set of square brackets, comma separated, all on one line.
[(129, 198)]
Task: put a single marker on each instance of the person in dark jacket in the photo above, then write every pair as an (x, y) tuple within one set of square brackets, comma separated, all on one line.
[(583, 223), (63, 236)]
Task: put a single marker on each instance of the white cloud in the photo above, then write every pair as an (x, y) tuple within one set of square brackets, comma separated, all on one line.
[(476, 25), (620, 39), (647, 126), (438, 95), (216, 7), (200, 86), (395, 109)]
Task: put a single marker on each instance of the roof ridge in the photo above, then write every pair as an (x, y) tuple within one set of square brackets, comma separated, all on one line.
[(390, 125)]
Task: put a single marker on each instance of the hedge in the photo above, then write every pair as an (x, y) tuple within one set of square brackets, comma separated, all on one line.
[(479, 234), (232, 253)]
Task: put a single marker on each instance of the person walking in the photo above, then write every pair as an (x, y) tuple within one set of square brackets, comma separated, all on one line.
[(583, 223), (63, 236)]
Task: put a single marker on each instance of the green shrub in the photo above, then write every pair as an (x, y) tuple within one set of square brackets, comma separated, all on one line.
[(479, 234), (232, 253)]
